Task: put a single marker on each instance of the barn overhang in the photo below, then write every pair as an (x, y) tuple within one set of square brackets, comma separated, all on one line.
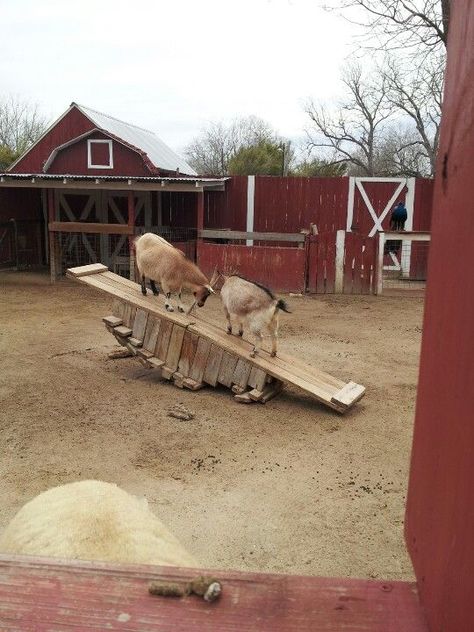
[(112, 183)]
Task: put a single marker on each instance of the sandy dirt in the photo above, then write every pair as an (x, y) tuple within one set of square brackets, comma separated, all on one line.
[(287, 487)]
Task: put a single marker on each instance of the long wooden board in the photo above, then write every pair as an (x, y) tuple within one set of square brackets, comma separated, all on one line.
[(47, 594), (220, 358)]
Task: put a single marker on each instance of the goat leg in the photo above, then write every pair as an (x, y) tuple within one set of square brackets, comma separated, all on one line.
[(154, 289)]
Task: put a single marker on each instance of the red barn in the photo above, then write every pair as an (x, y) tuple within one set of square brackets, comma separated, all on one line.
[(87, 185)]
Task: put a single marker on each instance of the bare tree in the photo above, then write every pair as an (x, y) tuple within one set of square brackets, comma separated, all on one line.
[(400, 24), (210, 152), (20, 125), (418, 97), (353, 132)]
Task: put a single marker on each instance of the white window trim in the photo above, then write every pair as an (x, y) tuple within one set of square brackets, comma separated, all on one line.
[(89, 154)]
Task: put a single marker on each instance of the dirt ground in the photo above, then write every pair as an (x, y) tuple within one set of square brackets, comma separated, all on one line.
[(287, 487)]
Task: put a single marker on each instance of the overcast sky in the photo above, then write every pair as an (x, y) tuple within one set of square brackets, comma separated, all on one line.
[(171, 66)]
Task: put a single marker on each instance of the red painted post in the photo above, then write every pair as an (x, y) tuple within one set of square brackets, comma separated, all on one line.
[(439, 525), (53, 240), (131, 237), (199, 223)]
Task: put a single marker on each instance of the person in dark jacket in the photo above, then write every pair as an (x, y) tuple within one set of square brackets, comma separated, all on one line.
[(398, 217)]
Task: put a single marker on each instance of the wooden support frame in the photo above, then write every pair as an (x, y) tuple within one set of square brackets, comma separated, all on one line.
[(191, 351), (239, 235), (90, 227)]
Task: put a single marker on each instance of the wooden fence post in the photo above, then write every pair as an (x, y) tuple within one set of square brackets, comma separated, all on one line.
[(131, 237), (340, 241), (379, 264), (250, 206)]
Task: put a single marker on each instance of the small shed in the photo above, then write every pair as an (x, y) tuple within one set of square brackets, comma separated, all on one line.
[(87, 186)]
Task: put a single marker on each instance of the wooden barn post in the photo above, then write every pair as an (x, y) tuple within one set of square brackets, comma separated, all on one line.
[(131, 236), (54, 254), (199, 223), (439, 525)]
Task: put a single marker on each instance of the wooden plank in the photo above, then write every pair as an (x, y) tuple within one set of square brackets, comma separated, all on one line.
[(127, 315), (163, 339), (227, 368), (349, 394), (81, 271), (117, 308), (243, 398), (132, 295), (123, 331), (113, 321), (139, 324), (135, 341), (90, 228), (257, 378), (200, 359), (188, 351), (143, 353), (174, 348), (192, 385), (241, 373), (240, 235), (214, 359), (151, 333), (155, 363)]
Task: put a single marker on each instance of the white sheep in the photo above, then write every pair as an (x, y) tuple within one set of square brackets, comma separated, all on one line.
[(159, 261), (92, 520)]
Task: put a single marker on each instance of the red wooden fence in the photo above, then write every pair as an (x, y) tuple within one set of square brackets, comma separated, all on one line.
[(282, 269), (358, 264)]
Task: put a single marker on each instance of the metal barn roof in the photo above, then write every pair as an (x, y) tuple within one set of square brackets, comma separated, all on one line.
[(157, 151)]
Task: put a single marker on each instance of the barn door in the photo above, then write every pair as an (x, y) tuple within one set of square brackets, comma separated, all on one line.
[(369, 207)]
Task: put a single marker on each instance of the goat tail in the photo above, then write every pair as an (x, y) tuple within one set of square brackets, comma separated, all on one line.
[(281, 304)]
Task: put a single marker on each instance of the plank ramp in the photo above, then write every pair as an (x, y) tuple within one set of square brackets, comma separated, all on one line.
[(194, 352), (46, 594)]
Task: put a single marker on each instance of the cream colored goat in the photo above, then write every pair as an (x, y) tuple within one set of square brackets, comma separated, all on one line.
[(160, 262), (254, 306), (92, 520)]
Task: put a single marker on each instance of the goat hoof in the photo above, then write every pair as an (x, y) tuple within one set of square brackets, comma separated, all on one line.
[(273, 354), (252, 354), (181, 309), (241, 333), (144, 292), (169, 308), (229, 331)]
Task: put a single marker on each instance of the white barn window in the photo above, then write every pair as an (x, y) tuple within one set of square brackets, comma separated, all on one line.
[(99, 154)]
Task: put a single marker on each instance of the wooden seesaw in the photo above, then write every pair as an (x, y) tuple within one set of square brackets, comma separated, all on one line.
[(194, 353)]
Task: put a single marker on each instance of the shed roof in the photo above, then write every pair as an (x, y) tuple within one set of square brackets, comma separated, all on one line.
[(157, 151)]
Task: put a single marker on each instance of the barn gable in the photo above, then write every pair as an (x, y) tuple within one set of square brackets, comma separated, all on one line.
[(139, 152), (98, 153)]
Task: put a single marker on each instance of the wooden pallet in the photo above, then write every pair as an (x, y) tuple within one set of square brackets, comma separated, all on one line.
[(193, 353)]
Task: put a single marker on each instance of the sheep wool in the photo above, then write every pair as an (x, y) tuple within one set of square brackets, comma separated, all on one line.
[(92, 520)]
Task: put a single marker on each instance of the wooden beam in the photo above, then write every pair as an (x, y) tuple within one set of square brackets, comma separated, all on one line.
[(111, 185), (241, 235), (407, 236), (36, 593), (200, 213), (131, 227), (90, 227)]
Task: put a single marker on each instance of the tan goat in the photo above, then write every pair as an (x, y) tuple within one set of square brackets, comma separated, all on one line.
[(252, 304), (160, 262)]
